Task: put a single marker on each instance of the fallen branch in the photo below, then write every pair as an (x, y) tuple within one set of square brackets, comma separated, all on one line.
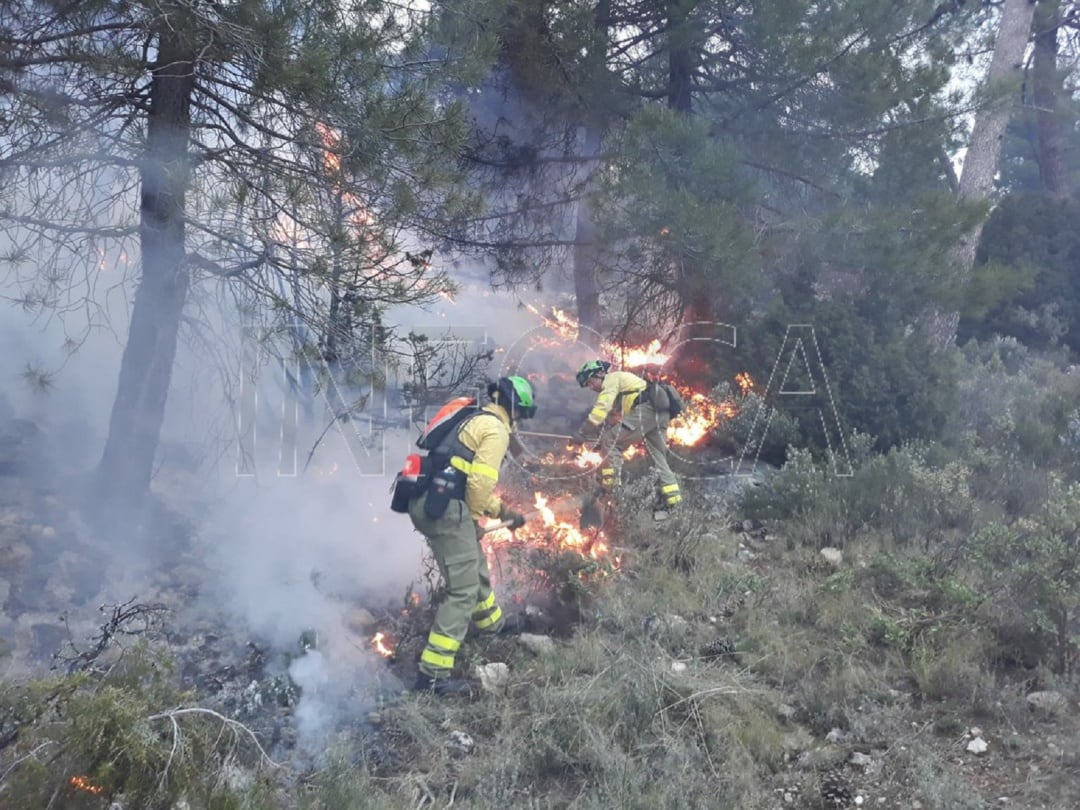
[(233, 725)]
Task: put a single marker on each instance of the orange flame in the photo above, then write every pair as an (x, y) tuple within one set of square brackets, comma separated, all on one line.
[(83, 783), (379, 642), (588, 458), (332, 143), (559, 322), (637, 356), (553, 532), (700, 414)]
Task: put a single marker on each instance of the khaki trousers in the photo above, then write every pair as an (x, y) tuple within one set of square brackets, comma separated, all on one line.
[(454, 540), (643, 423)]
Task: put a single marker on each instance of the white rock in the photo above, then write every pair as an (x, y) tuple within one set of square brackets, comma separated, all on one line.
[(975, 731), (833, 556), (541, 645), (460, 741), (678, 666), (977, 746), (492, 676), (861, 760)]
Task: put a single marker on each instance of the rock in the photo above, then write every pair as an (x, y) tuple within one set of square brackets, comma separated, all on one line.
[(817, 758), (539, 645), (461, 742), (977, 746), (671, 624), (678, 666), (861, 760), (492, 676), (833, 556), (1050, 703), (797, 741)]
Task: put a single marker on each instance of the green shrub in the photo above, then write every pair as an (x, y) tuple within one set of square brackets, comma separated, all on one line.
[(1033, 567), (119, 733), (906, 496)]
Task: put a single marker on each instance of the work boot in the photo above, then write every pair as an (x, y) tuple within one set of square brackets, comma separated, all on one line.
[(513, 624), (441, 686)]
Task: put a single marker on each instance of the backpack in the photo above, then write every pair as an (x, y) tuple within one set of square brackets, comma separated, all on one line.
[(416, 476), (675, 400), (675, 404)]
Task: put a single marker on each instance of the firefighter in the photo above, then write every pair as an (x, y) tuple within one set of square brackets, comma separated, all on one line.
[(475, 453), (634, 410)]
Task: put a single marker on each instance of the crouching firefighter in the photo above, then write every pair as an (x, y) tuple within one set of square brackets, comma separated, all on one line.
[(634, 410), (452, 487)]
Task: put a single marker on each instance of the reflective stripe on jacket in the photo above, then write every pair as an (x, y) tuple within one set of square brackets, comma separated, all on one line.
[(619, 388), (489, 440)]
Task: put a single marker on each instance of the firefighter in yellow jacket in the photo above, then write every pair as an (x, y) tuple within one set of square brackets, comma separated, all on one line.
[(473, 456), (633, 410)]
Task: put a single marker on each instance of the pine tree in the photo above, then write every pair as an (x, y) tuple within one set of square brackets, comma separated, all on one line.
[(197, 136)]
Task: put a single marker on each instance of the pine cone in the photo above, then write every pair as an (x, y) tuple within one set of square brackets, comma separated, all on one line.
[(718, 648), (835, 790)]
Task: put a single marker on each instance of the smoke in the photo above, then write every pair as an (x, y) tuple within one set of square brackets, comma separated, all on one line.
[(294, 540)]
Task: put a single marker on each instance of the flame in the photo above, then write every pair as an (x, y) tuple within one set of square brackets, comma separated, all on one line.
[(559, 322), (332, 144), (700, 414), (636, 356), (380, 641), (83, 783), (631, 451), (552, 532), (587, 457)]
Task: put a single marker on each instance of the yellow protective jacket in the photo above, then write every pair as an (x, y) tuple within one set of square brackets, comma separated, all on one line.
[(619, 392), (488, 439)]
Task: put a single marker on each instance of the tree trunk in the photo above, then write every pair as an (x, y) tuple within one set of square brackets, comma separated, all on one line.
[(586, 250), (692, 284), (984, 147), (146, 367), (1047, 91)]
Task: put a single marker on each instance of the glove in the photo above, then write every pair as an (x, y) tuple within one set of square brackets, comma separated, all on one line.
[(517, 520), (586, 434)]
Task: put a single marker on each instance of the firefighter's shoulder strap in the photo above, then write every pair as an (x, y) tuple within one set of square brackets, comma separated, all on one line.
[(446, 422)]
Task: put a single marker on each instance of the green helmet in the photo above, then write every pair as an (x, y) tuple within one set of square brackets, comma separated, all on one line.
[(591, 369), (516, 395)]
